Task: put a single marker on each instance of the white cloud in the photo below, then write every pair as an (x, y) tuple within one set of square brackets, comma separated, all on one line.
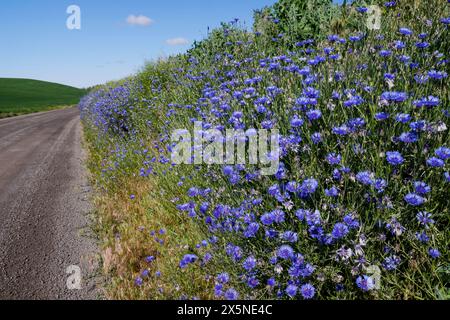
[(139, 20), (177, 41)]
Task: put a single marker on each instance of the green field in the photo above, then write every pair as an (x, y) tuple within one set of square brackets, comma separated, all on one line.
[(21, 96)]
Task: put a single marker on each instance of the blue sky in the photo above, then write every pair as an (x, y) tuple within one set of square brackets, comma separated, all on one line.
[(37, 44)]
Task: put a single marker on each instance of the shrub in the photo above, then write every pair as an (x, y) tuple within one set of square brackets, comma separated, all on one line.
[(362, 188)]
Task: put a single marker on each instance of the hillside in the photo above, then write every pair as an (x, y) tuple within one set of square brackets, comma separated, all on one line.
[(19, 96)]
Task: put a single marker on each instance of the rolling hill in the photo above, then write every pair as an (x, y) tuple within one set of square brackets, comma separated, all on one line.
[(20, 96)]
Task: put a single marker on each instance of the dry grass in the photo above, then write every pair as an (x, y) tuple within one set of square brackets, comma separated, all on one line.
[(125, 227)]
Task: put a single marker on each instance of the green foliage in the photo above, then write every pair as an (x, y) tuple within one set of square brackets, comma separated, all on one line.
[(304, 19), (218, 40), (297, 20)]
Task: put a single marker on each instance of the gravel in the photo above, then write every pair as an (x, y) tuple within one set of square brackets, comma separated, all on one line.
[(44, 208)]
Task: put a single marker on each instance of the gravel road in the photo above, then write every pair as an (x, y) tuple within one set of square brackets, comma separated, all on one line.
[(44, 202)]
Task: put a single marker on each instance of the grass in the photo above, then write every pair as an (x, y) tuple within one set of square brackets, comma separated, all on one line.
[(132, 230), (22, 96), (129, 128)]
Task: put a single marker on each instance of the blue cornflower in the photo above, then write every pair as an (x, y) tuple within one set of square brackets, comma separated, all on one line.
[(421, 187), (267, 124), (308, 291), (289, 236), (311, 92), (223, 278), (297, 122), (395, 227), (385, 53), (218, 292), (394, 158), (365, 283), (291, 290), (274, 66), (234, 251), (271, 234), (391, 263), (353, 101), (393, 96), (356, 123), (365, 177), (274, 190), (403, 117), (336, 95), (434, 253), (337, 175), (278, 216), (341, 130), (204, 207), (308, 187), (302, 213), (333, 38), (351, 222), (285, 252), (193, 192), (207, 257), (332, 192), (380, 116), (390, 4), (228, 170), (267, 219), (314, 114), (414, 199), (292, 186), (422, 237), (138, 281), (333, 158), (361, 9), (231, 294), (251, 230), (437, 75), (316, 138), (188, 259), (379, 185), (405, 31), (404, 58), (447, 176), (249, 264), (340, 230), (418, 125), (421, 78), (422, 45), (313, 218), (252, 282), (399, 45), (305, 101), (428, 102), (306, 271), (408, 137), (435, 162), (424, 218), (443, 153)]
